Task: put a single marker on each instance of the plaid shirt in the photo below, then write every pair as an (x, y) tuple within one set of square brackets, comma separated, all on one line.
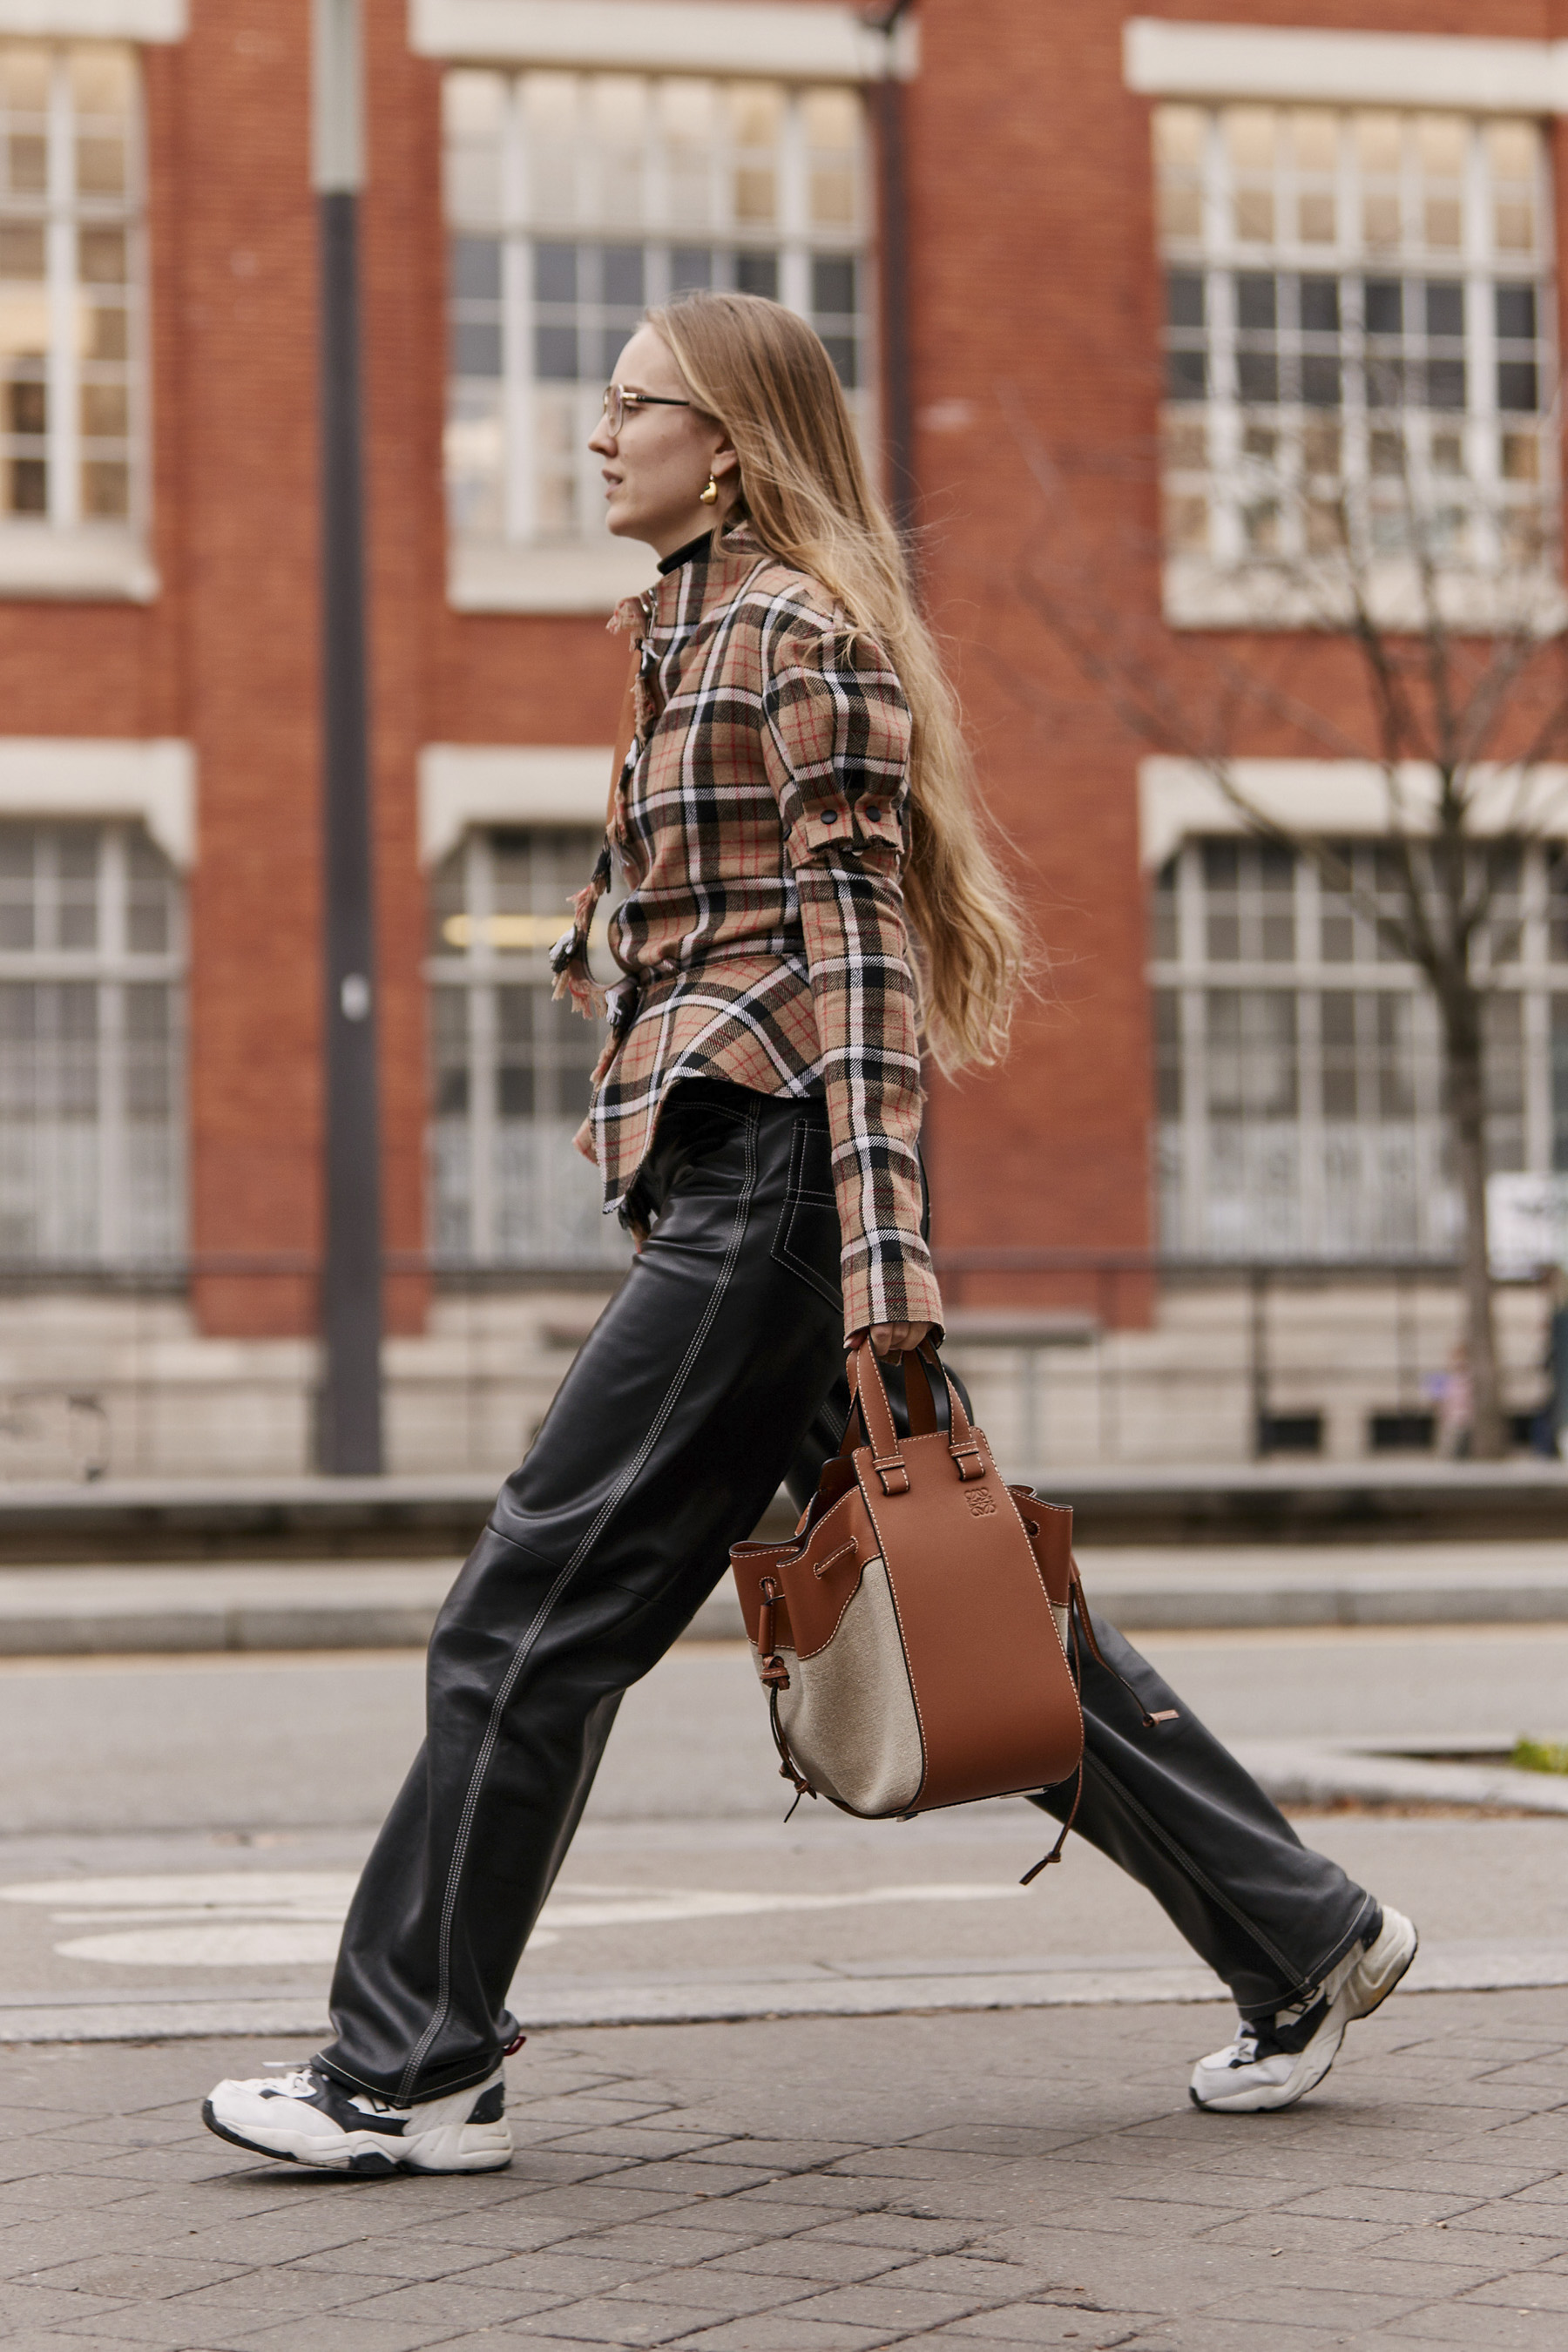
[(762, 821)]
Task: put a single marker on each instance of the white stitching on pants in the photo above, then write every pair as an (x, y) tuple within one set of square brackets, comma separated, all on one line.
[(520, 1656)]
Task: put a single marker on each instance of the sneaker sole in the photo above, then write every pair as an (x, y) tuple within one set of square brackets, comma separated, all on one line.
[(361, 2154), (1265, 2101)]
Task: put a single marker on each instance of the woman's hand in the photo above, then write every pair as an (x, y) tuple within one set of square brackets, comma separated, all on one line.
[(894, 1339)]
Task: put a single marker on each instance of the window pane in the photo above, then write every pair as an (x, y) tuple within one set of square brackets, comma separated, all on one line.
[(90, 1074), (1387, 332), (627, 189)]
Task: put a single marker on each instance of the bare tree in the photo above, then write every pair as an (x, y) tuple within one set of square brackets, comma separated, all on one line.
[(1451, 681)]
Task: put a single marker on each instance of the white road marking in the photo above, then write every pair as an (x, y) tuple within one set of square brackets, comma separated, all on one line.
[(292, 1918)]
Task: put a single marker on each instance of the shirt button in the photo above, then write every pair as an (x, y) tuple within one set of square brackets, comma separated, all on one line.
[(872, 811), (829, 816)]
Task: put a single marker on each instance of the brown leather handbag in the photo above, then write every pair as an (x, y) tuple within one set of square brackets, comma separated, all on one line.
[(913, 1633)]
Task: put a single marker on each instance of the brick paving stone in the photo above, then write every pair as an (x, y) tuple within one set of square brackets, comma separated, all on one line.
[(338, 2333), (1491, 2252), (1318, 2306), (125, 2277), (401, 2258), (566, 2277), (24, 2305), (980, 2277), (771, 2332), (1356, 2202), (1512, 2217), (692, 2177), (602, 2320), (786, 2155), (160, 2328), (1314, 2233), (1040, 2323), (514, 2229), (600, 2201), (637, 2141), (1150, 2217), (1231, 2335), (725, 2293), (889, 2304), (1500, 2331), (460, 2303), (1526, 2289), (779, 2217), (904, 2230), (813, 2256), (663, 2244)]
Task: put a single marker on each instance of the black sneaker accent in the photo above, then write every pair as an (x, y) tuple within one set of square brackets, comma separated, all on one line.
[(330, 2096), (491, 2108)]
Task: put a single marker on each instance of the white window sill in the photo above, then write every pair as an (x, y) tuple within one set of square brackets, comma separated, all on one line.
[(1197, 595), (590, 578), (39, 561)]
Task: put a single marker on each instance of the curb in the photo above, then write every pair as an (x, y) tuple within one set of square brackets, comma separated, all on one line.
[(165, 1519), (68, 1612), (546, 2003)]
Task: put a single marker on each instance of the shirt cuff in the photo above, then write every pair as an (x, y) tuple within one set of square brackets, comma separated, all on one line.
[(904, 1293)]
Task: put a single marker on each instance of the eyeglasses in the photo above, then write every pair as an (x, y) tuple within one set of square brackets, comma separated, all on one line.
[(617, 402)]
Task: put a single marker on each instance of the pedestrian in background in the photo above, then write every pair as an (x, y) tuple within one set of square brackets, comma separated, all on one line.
[(809, 889)]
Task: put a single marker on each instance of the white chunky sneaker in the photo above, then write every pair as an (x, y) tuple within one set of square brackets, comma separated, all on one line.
[(308, 2117), (1270, 2065)]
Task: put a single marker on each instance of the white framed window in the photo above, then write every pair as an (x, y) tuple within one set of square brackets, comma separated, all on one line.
[(1359, 339), (510, 1067), (73, 490), (1298, 1071), (92, 962), (573, 200)]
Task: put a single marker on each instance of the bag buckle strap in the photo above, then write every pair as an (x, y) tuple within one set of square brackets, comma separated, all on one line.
[(892, 1472), (968, 1459)]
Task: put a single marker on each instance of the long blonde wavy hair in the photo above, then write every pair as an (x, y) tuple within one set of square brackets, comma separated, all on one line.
[(761, 372)]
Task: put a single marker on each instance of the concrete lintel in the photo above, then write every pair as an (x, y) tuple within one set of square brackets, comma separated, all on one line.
[(1301, 66), (89, 776), (805, 42), (1180, 798), (464, 784), (97, 20)]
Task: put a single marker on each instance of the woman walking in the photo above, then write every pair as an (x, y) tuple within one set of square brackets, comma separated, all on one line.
[(794, 791)]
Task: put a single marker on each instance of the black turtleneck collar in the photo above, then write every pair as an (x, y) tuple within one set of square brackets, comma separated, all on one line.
[(701, 545)]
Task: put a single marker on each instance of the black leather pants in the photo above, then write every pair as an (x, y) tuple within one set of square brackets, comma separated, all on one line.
[(710, 1377)]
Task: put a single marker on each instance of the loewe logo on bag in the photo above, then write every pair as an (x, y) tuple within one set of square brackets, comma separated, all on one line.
[(981, 1506)]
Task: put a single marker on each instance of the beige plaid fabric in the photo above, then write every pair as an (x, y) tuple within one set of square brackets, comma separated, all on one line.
[(761, 822)]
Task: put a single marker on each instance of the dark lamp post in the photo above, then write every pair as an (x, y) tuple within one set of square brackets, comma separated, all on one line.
[(349, 1434)]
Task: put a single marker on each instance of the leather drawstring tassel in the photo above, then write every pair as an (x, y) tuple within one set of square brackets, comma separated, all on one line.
[(1083, 1626), (1055, 1853)]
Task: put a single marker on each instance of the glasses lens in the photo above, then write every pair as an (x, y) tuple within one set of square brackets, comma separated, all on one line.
[(615, 412)]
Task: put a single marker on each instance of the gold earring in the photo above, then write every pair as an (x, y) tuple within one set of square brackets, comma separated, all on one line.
[(709, 495)]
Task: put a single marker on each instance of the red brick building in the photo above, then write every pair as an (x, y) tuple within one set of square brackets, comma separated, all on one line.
[(1180, 245)]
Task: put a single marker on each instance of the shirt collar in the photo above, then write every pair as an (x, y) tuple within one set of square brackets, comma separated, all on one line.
[(694, 582), (702, 584), (700, 545)]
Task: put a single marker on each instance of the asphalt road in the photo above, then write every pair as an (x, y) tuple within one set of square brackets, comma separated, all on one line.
[(321, 1739), (201, 1820)]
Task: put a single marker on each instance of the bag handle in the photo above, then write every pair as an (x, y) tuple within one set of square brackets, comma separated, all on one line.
[(871, 1397)]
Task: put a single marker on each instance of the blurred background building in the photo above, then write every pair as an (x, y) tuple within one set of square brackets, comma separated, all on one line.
[(1204, 1208)]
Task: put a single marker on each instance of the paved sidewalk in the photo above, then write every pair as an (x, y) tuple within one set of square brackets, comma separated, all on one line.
[(335, 1605), (830, 2186)]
